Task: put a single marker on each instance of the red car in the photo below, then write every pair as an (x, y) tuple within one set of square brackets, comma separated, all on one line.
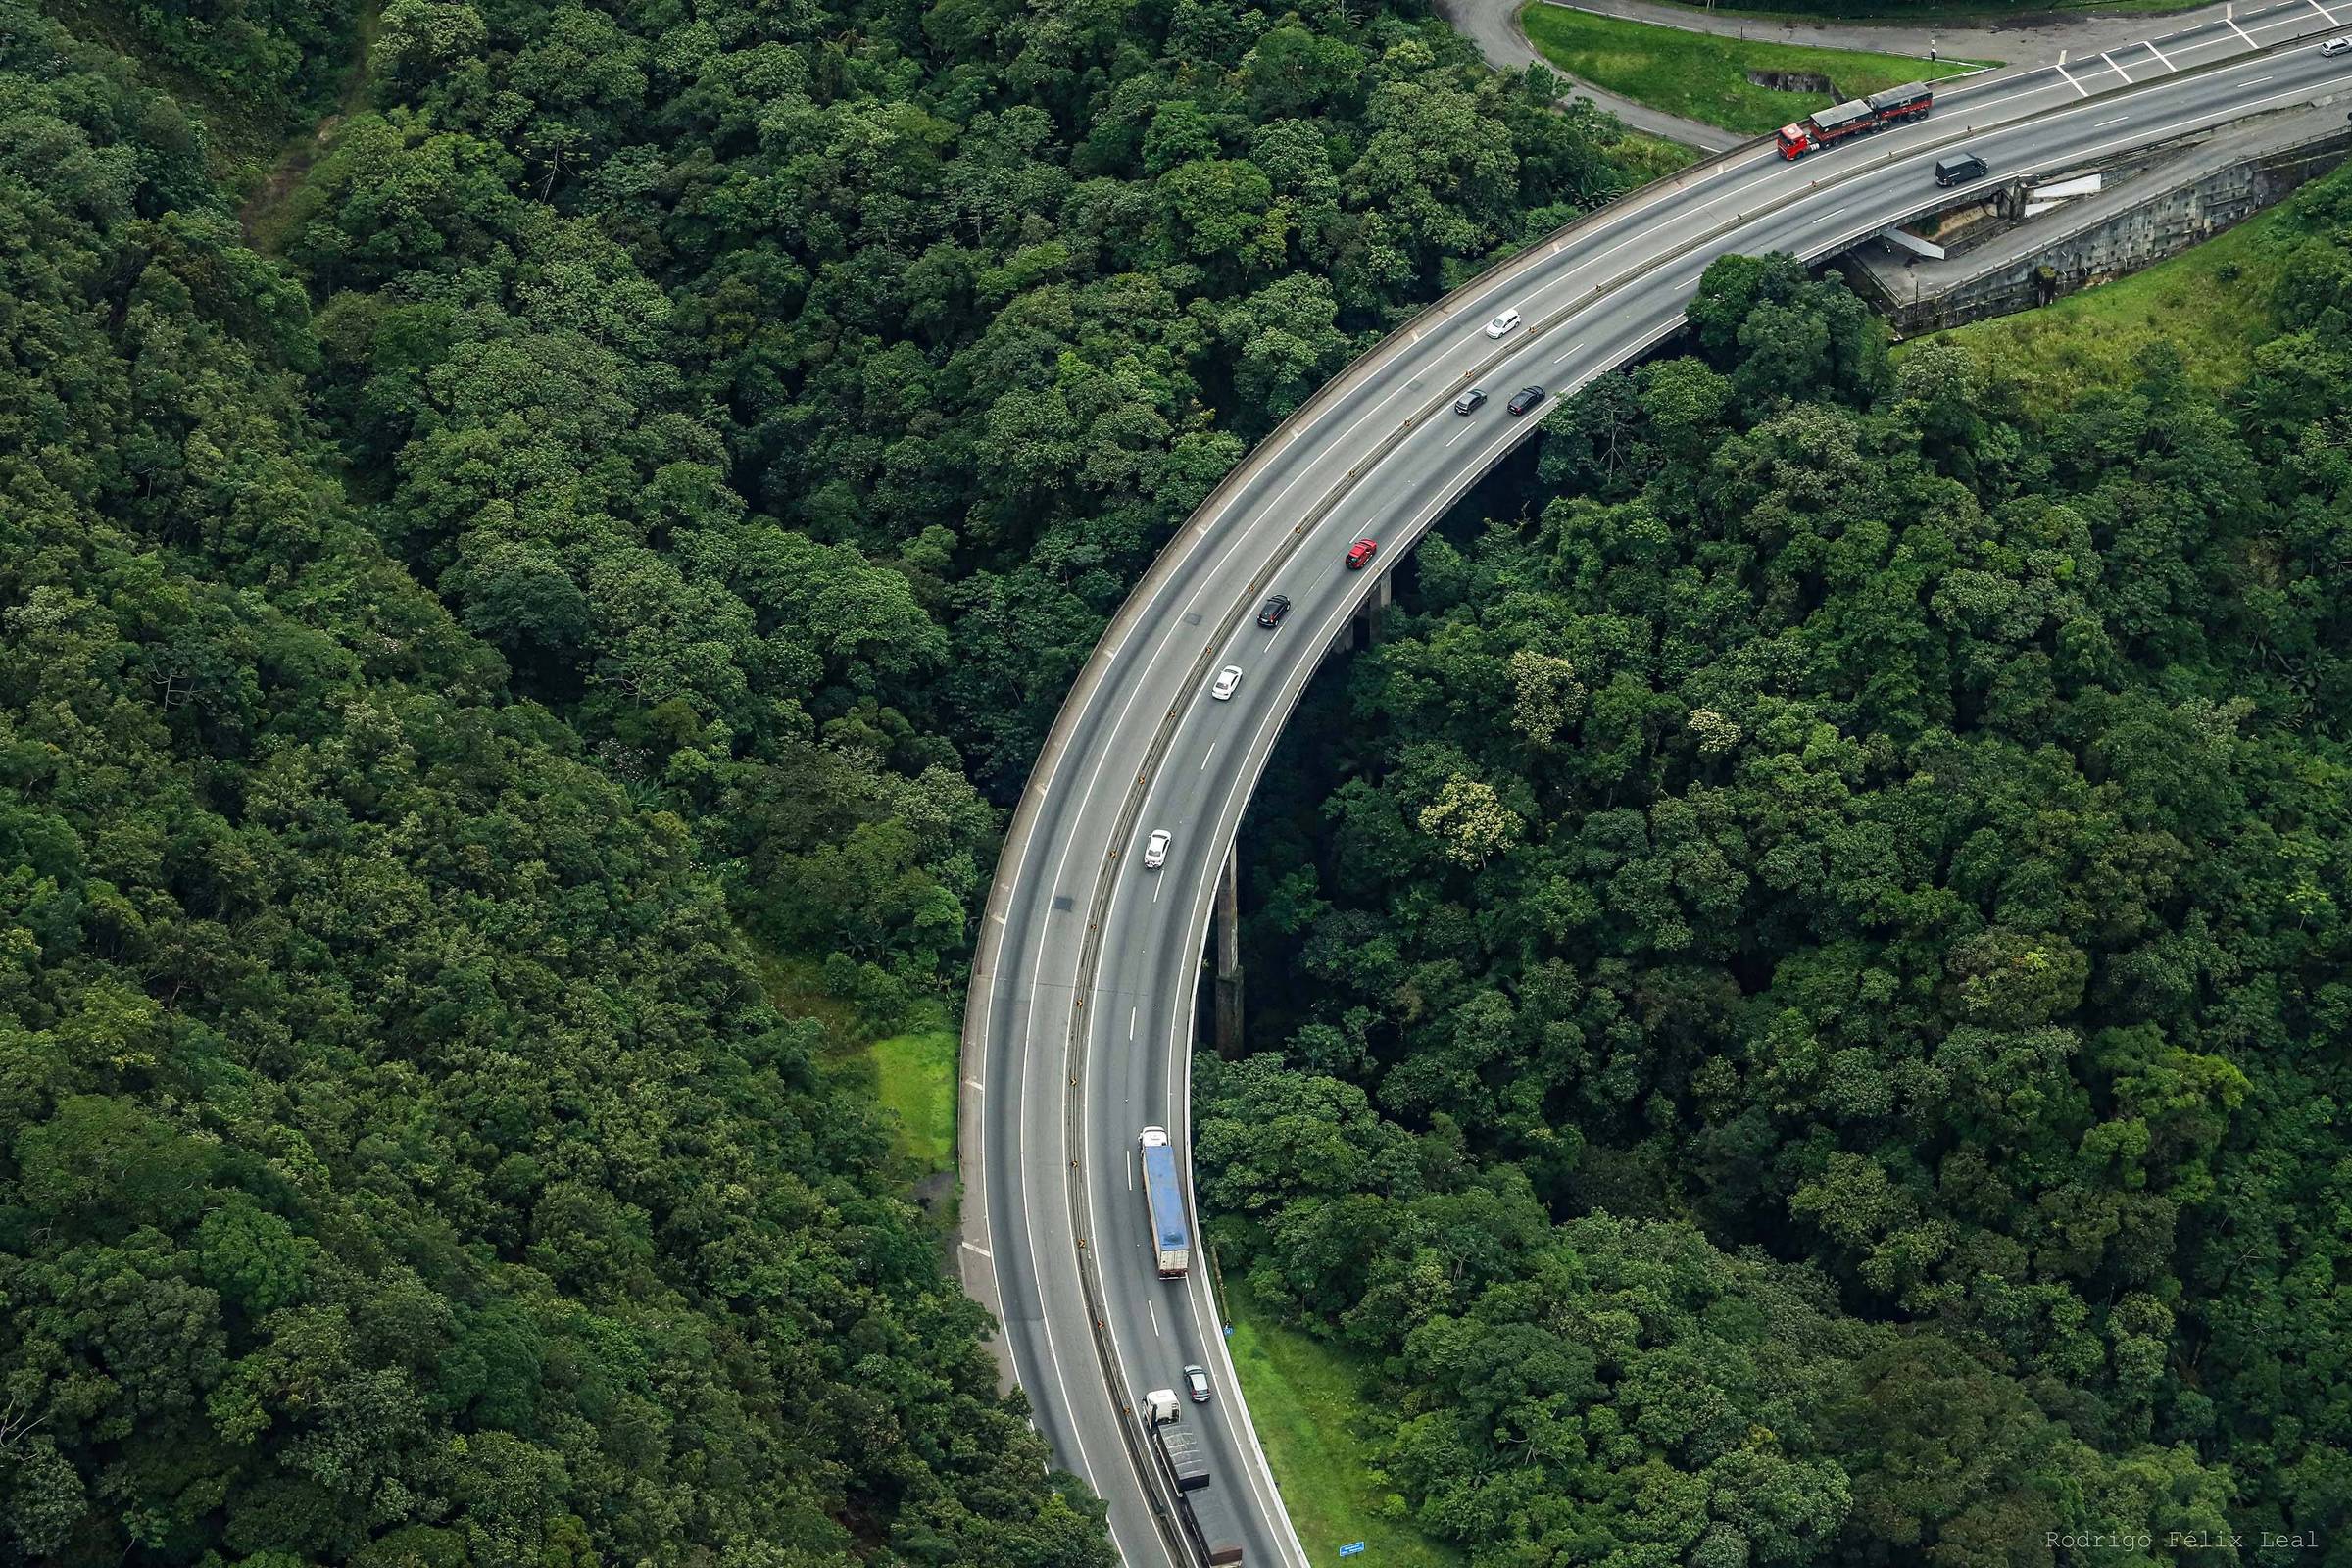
[(1361, 554)]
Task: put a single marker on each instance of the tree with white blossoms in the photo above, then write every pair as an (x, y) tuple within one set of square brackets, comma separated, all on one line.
[(1469, 821)]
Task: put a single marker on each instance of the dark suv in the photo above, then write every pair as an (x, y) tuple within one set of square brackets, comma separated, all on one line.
[(1276, 608)]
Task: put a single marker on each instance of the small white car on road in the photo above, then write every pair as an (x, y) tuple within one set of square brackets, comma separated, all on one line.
[(1504, 323), (2337, 46), (1229, 681), (1155, 850)]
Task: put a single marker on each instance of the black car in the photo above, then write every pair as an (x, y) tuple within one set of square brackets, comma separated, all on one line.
[(1470, 400), (1276, 608), (1526, 397)]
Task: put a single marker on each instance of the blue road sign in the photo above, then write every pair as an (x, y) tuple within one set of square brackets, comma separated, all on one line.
[(1354, 1548)]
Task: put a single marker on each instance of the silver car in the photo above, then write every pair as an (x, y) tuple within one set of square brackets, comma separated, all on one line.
[(1229, 681), (1503, 324), (1155, 850)]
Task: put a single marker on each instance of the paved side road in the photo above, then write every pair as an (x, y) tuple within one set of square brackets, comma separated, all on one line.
[(1493, 27), (2031, 38), (2028, 42)]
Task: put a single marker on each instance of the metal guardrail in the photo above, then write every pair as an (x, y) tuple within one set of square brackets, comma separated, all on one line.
[(1172, 555)]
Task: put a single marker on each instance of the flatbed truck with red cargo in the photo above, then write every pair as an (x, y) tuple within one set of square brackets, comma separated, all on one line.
[(1857, 117)]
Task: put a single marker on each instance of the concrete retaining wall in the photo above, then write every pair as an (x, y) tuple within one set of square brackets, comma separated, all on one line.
[(2143, 221)]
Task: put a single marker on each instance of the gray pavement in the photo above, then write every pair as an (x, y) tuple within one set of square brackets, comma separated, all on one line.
[(1493, 27), (1085, 984), (2029, 38), (2076, 39)]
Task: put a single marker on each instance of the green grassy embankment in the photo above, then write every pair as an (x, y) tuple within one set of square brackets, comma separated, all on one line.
[(1700, 77), (912, 1075), (2210, 303), (914, 1078), (1314, 1415), (1912, 14)]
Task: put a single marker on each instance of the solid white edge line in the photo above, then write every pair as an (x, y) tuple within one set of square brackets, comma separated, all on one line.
[(1052, 1351)]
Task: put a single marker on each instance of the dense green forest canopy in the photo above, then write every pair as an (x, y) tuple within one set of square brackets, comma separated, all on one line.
[(1822, 996), (654, 482)]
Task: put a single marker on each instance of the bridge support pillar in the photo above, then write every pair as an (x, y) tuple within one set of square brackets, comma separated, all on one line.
[(1229, 956), (1368, 616)]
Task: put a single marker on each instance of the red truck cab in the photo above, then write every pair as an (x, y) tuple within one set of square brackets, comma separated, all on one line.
[(1854, 118)]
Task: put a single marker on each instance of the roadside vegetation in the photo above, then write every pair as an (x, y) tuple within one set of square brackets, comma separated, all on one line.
[(914, 1080), (511, 660), (2213, 304), (1929, 13), (1319, 1419), (1814, 968), (1705, 78)]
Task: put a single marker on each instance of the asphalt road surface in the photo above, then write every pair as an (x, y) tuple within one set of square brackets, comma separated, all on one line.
[(1085, 984)]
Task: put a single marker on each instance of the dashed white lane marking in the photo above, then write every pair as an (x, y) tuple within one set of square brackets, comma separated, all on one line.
[(1563, 359), (1465, 431), (2117, 120), (1154, 1311), (1131, 1013), (2259, 80), (1206, 756)]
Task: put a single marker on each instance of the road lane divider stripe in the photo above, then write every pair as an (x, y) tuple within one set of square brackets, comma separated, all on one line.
[(1056, 757)]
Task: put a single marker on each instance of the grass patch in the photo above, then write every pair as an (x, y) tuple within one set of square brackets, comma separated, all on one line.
[(1312, 1407), (1700, 77), (1648, 158), (914, 1079), (1910, 14), (2212, 303)]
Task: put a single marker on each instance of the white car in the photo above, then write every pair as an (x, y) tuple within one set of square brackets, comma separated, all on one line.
[(2337, 46), (1155, 850), (1503, 324), (1229, 681)]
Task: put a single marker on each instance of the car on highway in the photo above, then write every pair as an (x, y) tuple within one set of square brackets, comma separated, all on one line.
[(1195, 1383), (1229, 681), (1503, 324), (1155, 848), (1361, 554), (2337, 46), (1276, 608), (1526, 397), (1468, 402)]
